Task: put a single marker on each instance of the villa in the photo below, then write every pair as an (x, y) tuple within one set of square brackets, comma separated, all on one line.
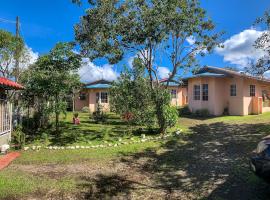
[(223, 91), (97, 92)]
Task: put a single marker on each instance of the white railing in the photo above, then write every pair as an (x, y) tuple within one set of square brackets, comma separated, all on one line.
[(5, 117)]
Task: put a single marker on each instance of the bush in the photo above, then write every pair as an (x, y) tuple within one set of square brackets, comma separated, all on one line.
[(18, 138), (202, 112), (99, 115), (182, 111), (75, 114), (170, 115), (85, 109)]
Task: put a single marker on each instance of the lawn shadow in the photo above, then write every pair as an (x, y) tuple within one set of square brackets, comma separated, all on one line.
[(211, 163)]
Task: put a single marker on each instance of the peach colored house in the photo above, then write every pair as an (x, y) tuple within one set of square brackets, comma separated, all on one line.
[(98, 92), (93, 94), (179, 95), (221, 90)]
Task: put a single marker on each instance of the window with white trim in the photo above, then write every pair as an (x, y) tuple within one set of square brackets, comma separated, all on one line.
[(233, 90), (205, 92), (252, 90), (196, 92)]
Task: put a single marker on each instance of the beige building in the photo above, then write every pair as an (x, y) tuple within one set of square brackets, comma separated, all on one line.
[(220, 90), (97, 92)]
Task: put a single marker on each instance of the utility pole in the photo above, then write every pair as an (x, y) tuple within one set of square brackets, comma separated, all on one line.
[(16, 70)]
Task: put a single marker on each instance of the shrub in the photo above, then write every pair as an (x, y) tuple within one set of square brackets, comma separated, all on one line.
[(75, 114), (127, 116), (18, 138), (170, 115), (202, 112), (85, 109), (99, 115), (182, 111)]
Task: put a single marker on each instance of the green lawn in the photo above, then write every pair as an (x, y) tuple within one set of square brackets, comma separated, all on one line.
[(89, 132), (209, 160)]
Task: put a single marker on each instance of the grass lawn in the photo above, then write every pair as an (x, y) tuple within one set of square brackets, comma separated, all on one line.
[(208, 161), (89, 132)]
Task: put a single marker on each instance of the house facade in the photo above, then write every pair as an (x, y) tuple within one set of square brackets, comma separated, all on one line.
[(97, 92), (225, 91), (6, 109)]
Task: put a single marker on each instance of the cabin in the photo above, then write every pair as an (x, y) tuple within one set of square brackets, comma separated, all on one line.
[(223, 91), (97, 92)]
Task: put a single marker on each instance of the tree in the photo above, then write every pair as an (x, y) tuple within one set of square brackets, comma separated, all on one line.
[(147, 28), (52, 78), (262, 65), (11, 48), (130, 93)]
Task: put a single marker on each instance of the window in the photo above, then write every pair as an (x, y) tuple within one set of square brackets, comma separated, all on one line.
[(252, 90), (82, 96), (104, 97), (197, 92), (205, 92), (233, 90), (173, 94), (97, 97)]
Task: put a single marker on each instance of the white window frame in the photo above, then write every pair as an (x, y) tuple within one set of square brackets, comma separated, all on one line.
[(196, 92)]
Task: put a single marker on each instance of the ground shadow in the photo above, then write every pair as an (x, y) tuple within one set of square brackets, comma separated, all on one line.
[(210, 163)]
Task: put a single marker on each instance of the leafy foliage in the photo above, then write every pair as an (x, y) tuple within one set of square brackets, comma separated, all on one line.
[(11, 48), (111, 29), (130, 96), (262, 65), (18, 138), (99, 115), (49, 81)]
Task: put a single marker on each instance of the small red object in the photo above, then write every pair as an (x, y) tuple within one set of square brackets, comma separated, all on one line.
[(76, 121)]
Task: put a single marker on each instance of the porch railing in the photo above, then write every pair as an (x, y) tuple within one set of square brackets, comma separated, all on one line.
[(5, 117)]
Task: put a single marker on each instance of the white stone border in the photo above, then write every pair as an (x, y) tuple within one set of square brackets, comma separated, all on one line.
[(120, 143)]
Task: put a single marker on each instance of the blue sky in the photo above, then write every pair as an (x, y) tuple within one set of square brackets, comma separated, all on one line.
[(45, 22)]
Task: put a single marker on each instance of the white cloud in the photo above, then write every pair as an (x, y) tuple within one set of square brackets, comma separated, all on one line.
[(239, 49), (90, 72), (130, 61), (29, 57), (163, 72), (191, 40)]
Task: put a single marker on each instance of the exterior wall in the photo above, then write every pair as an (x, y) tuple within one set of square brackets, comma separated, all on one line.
[(90, 100), (235, 104), (219, 96), (212, 102), (78, 103), (5, 139), (181, 96)]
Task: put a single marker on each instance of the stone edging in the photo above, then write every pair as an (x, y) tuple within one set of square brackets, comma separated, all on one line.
[(106, 144)]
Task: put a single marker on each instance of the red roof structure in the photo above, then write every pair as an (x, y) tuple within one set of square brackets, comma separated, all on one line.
[(8, 84)]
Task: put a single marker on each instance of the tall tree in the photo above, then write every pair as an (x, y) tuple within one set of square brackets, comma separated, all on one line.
[(53, 77), (11, 48), (112, 28), (262, 44)]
